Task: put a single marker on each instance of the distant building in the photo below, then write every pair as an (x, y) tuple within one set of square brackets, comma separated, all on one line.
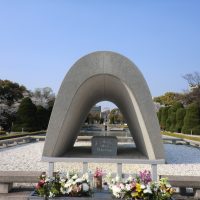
[(105, 115), (95, 110)]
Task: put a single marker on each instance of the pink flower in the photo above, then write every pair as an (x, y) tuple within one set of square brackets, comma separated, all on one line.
[(40, 184), (98, 172), (37, 186), (145, 176)]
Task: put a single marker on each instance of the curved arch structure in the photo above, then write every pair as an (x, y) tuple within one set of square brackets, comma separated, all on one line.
[(103, 76)]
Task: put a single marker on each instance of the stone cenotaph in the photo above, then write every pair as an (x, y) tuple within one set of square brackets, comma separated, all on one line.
[(93, 78)]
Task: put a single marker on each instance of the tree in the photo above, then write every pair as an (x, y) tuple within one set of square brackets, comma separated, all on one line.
[(164, 115), (26, 116), (193, 79), (171, 120), (42, 118), (180, 114), (169, 98), (42, 96), (10, 92), (89, 119), (50, 108), (159, 113), (193, 95), (6, 119), (192, 119), (112, 118), (116, 116), (96, 117)]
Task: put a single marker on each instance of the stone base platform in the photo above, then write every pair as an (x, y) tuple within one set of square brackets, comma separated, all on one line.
[(17, 193), (25, 194), (96, 196)]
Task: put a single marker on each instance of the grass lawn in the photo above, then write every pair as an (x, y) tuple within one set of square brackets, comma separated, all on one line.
[(16, 135), (187, 137)]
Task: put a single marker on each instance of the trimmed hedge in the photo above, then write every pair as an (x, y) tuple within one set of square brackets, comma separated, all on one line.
[(171, 120), (192, 119), (16, 135), (2, 132), (164, 116), (180, 114), (159, 114), (196, 130), (26, 116)]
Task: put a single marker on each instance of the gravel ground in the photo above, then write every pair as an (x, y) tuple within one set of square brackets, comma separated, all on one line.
[(178, 154), (183, 160)]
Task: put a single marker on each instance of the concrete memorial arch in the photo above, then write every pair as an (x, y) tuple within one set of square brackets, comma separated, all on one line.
[(96, 77)]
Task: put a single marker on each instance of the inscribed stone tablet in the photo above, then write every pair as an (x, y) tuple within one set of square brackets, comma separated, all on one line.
[(104, 146)]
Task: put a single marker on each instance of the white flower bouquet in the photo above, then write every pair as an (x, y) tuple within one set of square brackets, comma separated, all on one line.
[(70, 184)]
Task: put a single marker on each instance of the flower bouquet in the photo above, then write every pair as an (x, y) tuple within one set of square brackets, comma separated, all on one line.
[(98, 178), (141, 187), (65, 185)]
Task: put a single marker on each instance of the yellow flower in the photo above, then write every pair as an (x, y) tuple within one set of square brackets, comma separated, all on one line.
[(137, 192), (134, 194), (172, 190), (138, 187)]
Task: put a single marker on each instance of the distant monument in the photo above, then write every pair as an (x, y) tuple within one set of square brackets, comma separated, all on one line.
[(93, 78)]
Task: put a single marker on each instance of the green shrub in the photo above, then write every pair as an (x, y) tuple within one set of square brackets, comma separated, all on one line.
[(159, 114), (2, 132), (171, 120), (22, 127), (180, 114), (164, 115), (196, 130), (42, 118), (177, 105), (26, 116), (172, 127), (192, 119), (168, 124)]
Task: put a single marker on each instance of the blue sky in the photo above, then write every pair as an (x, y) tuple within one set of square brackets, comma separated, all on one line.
[(40, 40)]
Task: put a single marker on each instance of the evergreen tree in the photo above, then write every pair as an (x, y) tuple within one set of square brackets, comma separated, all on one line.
[(168, 124), (168, 99), (169, 118), (192, 119), (180, 114), (196, 130), (171, 121), (26, 116), (159, 114), (42, 118), (10, 92), (164, 115)]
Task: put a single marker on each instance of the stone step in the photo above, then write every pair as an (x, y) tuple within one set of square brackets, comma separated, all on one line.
[(17, 194)]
